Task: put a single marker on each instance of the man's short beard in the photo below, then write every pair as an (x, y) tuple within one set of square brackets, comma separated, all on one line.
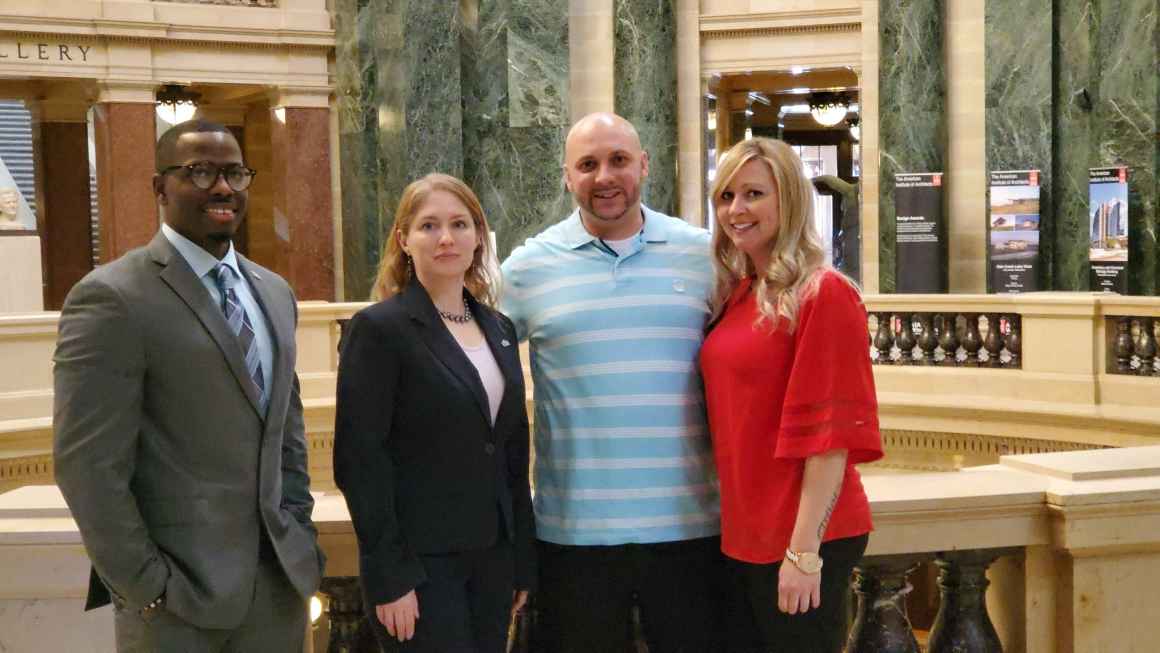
[(219, 237)]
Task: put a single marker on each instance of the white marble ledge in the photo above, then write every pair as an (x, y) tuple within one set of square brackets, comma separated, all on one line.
[(952, 491), (1101, 464)]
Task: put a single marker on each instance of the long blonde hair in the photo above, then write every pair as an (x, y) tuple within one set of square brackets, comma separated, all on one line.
[(395, 269), (796, 255)]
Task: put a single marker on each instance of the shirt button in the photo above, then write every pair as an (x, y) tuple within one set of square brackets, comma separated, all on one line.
[(489, 448)]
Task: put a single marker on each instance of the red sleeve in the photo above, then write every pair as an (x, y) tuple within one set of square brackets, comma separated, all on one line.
[(830, 401)]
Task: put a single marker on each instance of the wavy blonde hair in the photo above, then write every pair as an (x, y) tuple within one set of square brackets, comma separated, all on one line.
[(395, 270), (796, 255)]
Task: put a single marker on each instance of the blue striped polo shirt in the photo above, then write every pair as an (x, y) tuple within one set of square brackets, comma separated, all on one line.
[(622, 447)]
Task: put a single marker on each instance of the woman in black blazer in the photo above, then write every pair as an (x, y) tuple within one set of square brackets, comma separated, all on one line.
[(431, 437)]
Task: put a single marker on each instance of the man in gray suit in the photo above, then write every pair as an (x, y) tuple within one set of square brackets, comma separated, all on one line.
[(180, 444)]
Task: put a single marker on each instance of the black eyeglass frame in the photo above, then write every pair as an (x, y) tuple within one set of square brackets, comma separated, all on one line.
[(220, 172)]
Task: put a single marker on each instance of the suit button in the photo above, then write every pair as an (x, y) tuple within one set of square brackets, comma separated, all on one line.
[(489, 448)]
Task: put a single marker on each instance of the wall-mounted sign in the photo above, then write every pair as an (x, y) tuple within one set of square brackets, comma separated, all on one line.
[(1108, 228), (920, 236), (48, 52), (1014, 228)]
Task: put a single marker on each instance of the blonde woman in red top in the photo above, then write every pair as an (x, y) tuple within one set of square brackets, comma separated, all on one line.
[(791, 407)]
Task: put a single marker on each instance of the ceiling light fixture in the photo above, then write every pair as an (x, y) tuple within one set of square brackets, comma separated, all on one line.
[(176, 104), (855, 128), (828, 108)]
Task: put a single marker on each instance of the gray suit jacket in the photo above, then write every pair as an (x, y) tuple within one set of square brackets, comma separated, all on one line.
[(161, 451)]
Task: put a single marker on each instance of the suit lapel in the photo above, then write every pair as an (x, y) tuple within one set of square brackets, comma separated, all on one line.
[(177, 274), (443, 345), (281, 332)]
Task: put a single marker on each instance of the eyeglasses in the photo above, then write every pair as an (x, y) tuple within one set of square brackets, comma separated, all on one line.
[(204, 174)]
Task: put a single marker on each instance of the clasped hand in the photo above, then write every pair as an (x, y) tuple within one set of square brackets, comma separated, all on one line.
[(399, 616)]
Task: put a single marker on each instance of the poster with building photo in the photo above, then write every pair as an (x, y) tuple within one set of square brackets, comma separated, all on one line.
[(920, 238), (1108, 222), (1014, 231)]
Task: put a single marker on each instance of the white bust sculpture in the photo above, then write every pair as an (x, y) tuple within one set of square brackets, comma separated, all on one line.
[(9, 208)]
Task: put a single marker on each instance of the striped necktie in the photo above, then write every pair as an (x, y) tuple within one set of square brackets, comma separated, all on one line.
[(240, 324)]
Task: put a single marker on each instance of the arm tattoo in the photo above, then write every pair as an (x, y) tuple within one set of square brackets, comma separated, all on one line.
[(829, 512)]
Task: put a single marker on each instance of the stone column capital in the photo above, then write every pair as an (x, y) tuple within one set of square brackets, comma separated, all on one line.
[(46, 110), (299, 97), (128, 92)]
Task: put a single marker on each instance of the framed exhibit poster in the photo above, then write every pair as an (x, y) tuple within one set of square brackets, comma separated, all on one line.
[(1108, 228), (920, 237), (1014, 231)]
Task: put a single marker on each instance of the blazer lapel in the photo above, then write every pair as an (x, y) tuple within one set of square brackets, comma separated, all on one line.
[(443, 345), (281, 332), (177, 274)]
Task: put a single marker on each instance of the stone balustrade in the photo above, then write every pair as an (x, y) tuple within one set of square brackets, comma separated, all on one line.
[(946, 339), (1039, 553), (235, 3), (1065, 392)]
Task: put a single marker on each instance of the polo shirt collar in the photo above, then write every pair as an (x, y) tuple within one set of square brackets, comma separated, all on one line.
[(575, 235), (199, 260)]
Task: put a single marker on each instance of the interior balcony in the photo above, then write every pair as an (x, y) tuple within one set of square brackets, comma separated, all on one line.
[(1019, 497)]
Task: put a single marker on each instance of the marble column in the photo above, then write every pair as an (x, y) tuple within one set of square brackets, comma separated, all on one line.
[(911, 107), (125, 126), (1106, 104), (478, 89), (1019, 103), (646, 89), (1071, 142), (1125, 43), (61, 150), (516, 114), (400, 115), (303, 231)]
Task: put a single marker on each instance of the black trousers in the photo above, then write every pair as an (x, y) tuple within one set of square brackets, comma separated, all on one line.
[(587, 593), (756, 625), (464, 605)]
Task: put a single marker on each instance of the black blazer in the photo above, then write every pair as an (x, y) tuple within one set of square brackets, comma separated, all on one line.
[(422, 469)]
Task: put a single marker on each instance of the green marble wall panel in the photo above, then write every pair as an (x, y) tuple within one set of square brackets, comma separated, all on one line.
[(515, 96), (1105, 114), (1071, 140), (358, 142), (397, 68), (1018, 35), (911, 107), (645, 69), (1124, 120)]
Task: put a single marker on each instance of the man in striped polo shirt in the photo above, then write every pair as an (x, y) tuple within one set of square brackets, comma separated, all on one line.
[(614, 301)]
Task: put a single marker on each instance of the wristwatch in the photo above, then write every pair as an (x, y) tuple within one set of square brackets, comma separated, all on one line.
[(806, 561)]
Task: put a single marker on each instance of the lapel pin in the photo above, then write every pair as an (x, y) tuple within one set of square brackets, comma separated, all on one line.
[(505, 343)]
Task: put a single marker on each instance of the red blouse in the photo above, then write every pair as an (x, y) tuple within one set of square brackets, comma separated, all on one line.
[(776, 398)]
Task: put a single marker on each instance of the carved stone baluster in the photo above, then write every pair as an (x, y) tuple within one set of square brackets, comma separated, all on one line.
[(884, 339), (993, 343), (962, 624), (881, 624), (927, 342), (906, 339), (949, 340), (1123, 345), (349, 630), (1146, 347), (1014, 342), (971, 340)]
